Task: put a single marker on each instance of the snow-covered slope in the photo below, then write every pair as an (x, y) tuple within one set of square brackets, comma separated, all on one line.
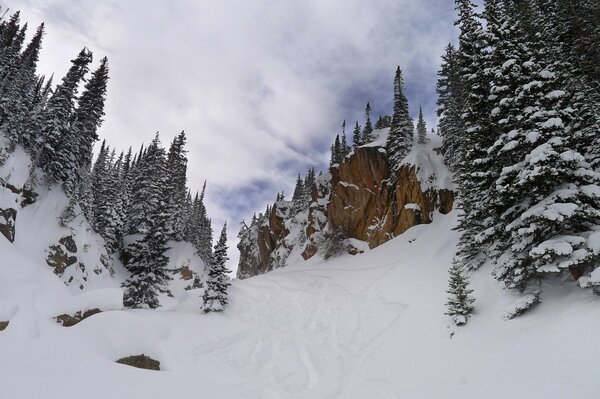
[(368, 326)]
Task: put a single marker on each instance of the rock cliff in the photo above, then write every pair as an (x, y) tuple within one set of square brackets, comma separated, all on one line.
[(357, 204)]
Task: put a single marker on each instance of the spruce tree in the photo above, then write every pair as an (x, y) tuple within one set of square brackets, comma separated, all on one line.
[(75, 146), (55, 136), (421, 128), (148, 261), (356, 136), (450, 105), (298, 198), (177, 170), (400, 139), (367, 136), (215, 295), (460, 302)]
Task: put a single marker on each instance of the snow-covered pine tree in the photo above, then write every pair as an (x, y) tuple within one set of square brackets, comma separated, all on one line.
[(450, 100), (56, 129), (298, 198), (177, 170), (472, 176), (421, 128), (147, 184), (383, 122), (215, 295), (550, 193), (367, 133), (148, 261), (18, 90), (460, 302), (400, 139), (78, 141), (202, 235), (356, 136), (309, 180)]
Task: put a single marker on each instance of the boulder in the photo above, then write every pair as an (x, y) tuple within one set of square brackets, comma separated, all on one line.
[(140, 361)]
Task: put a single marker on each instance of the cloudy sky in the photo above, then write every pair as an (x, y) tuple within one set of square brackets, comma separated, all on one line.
[(260, 87)]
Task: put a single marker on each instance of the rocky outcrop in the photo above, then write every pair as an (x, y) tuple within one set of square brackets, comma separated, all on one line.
[(8, 218), (358, 200), (3, 325), (141, 362), (258, 247), (67, 320), (62, 255)]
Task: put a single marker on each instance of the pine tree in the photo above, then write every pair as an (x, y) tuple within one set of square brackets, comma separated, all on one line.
[(336, 152), (367, 132), (400, 139), (148, 261), (450, 105), (309, 180), (54, 139), (298, 198), (421, 128), (77, 142), (472, 174), (18, 90), (383, 122), (215, 295), (460, 303), (344, 147), (177, 170), (356, 136)]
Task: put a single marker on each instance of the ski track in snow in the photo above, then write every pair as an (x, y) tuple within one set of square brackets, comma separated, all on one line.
[(327, 335)]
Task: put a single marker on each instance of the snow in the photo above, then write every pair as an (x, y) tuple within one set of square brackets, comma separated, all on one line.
[(556, 94), (16, 168), (368, 326), (431, 170), (552, 123), (365, 326)]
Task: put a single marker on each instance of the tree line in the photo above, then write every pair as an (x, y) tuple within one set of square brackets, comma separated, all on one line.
[(143, 195)]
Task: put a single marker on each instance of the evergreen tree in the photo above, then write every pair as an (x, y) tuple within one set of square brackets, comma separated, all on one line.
[(336, 152), (400, 139), (421, 128), (460, 303), (298, 199), (383, 122), (215, 295), (344, 147), (473, 177), (356, 136), (148, 261), (450, 104), (309, 180), (367, 132), (75, 148), (54, 139), (177, 170)]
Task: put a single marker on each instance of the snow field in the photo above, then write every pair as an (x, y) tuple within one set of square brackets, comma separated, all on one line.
[(368, 326)]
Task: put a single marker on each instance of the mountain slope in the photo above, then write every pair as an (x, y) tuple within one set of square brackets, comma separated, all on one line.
[(365, 326)]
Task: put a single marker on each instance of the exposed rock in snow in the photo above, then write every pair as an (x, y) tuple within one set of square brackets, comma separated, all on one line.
[(353, 203)]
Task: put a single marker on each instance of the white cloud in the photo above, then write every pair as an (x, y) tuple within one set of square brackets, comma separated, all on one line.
[(260, 87)]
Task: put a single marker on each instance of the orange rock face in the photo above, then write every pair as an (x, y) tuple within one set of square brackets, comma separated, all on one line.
[(364, 204), (358, 200)]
